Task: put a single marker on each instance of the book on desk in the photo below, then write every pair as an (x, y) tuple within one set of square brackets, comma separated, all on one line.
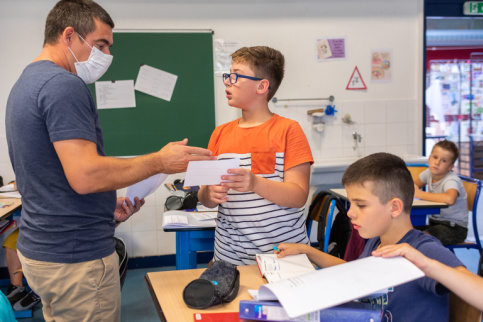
[(351, 311), (335, 285), (174, 219)]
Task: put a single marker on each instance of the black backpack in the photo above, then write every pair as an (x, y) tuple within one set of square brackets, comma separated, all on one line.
[(123, 259), (341, 229)]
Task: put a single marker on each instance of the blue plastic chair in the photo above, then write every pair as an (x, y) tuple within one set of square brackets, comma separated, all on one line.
[(315, 216), (473, 188)]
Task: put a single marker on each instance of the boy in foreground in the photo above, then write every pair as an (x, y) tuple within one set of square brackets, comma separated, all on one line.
[(451, 225), (380, 190), (262, 204)]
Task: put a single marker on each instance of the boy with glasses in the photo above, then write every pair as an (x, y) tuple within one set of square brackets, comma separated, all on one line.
[(262, 203)]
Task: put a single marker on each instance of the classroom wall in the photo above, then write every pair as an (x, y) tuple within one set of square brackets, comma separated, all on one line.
[(387, 115)]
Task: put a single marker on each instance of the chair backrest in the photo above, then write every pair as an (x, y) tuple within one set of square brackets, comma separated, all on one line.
[(416, 169), (473, 189), (322, 210), (461, 311)]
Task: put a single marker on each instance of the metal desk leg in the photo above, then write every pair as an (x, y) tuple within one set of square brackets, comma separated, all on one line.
[(182, 250)]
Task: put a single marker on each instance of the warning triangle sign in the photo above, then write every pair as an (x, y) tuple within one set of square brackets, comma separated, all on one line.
[(356, 81)]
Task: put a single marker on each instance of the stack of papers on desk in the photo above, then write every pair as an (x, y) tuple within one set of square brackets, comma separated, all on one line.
[(8, 191), (174, 219)]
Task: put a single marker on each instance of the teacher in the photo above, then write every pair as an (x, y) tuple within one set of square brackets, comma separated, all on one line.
[(68, 185)]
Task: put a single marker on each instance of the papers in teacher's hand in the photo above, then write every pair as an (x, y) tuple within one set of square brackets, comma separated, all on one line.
[(182, 219), (339, 284), (146, 187), (208, 172)]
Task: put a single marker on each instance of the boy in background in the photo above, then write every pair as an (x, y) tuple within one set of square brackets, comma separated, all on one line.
[(450, 226), (262, 204), (380, 190)]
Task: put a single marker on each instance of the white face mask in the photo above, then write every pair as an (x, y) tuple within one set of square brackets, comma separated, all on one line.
[(93, 68)]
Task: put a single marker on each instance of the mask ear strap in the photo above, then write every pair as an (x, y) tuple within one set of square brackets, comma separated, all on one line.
[(83, 40), (68, 47)]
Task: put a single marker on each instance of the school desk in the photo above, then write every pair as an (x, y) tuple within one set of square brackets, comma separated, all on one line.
[(167, 287), (14, 204), (419, 211), (189, 241)]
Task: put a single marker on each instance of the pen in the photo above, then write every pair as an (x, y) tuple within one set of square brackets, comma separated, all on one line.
[(276, 248)]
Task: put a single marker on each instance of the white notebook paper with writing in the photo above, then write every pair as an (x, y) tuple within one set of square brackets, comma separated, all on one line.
[(339, 284), (276, 269)]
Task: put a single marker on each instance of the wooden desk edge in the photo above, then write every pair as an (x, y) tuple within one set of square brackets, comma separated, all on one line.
[(8, 210), (154, 298)]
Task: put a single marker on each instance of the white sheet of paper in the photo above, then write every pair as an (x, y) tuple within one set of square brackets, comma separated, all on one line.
[(146, 187), (208, 172), (201, 216), (115, 94), (8, 188), (155, 82), (173, 219), (12, 194), (342, 283)]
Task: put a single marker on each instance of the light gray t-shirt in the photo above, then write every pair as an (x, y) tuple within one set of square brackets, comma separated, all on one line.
[(457, 213)]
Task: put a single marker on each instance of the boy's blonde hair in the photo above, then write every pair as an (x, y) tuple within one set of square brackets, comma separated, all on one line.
[(448, 146), (266, 63), (389, 175)]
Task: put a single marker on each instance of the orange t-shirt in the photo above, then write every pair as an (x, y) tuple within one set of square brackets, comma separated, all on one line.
[(279, 136)]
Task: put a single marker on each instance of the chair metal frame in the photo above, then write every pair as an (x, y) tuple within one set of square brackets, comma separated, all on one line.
[(328, 220), (473, 206)]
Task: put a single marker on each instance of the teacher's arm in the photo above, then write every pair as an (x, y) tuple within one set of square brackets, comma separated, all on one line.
[(88, 172)]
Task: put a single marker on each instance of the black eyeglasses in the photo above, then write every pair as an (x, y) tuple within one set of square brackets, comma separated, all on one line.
[(234, 78)]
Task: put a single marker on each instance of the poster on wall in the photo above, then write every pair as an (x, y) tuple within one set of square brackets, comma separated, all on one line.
[(356, 82), (330, 49), (381, 65), (223, 48)]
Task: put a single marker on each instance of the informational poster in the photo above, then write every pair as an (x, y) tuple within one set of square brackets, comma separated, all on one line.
[(115, 94), (155, 82), (330, 48), (223, 49), (381, 65)]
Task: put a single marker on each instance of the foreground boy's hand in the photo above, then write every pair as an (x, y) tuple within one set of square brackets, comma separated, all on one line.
[(242, 180), (405, 250), (291, 249)]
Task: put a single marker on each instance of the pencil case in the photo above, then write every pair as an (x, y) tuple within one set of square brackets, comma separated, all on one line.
[(218, 284)]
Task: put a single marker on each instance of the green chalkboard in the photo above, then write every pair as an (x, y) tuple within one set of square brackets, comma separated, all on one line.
[(154, 122)]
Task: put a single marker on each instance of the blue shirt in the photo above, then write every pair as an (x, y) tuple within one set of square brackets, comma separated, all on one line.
[(49, 104), (423, 299)]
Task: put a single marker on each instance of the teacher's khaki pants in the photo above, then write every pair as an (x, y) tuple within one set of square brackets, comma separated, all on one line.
[(87, 291)]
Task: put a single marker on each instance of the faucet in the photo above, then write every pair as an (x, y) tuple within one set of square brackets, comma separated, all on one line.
[(357, 138)]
